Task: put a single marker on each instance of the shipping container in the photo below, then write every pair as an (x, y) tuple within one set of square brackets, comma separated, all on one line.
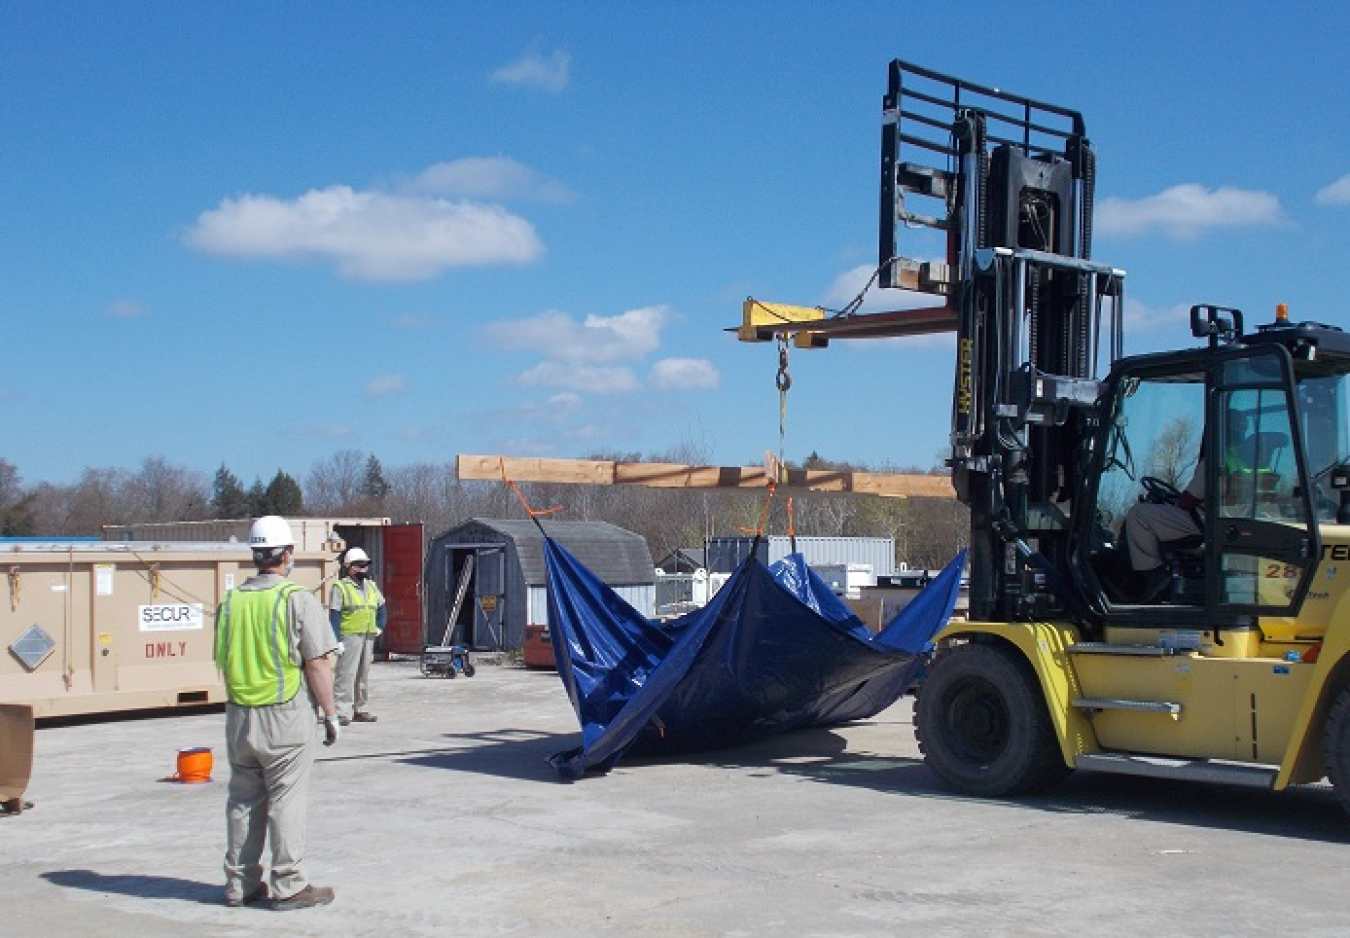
[(96, 626), (846, 579), (724, 553), (395, 552)]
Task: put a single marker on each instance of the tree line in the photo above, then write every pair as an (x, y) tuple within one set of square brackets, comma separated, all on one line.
[(927, 532)]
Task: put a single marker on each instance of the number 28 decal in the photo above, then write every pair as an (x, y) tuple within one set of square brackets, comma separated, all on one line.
[(1281, 571)]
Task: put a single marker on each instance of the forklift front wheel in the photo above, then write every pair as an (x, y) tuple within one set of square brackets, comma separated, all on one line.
[(1336, 747), (982, 725), (469, 670)]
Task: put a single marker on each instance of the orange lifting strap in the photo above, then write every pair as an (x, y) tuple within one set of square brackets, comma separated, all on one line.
[(520, 495)]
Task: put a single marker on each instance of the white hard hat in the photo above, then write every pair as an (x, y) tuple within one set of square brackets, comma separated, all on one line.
[(356, 555), (270, 531)]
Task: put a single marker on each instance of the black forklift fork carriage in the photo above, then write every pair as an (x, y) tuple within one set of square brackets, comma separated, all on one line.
[(1038, 322)]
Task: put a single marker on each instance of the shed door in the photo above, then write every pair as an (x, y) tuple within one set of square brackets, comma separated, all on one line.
[(489, 598), (403, 588)]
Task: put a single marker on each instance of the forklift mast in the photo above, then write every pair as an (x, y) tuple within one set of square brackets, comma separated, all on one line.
[(1038, 323)]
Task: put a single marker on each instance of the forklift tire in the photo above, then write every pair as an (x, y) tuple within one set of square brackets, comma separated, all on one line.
[(982, 725), (470, 670), (1336, 747), (451, 673)]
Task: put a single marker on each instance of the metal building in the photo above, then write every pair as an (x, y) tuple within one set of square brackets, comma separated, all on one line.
[(485, 580), (724, 554)]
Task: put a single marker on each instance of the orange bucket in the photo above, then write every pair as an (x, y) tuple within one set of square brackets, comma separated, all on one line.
[(194, 765)]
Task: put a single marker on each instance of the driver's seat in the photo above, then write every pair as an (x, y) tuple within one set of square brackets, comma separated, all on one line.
[(1185, 557)]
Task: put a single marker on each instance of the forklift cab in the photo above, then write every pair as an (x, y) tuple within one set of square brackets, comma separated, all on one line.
[(1273, 411)]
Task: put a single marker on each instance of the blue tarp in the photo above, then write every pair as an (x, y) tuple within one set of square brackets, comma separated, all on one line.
[(773, 650)]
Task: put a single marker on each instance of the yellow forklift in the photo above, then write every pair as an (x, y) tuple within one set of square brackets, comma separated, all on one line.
[(1117, 623)]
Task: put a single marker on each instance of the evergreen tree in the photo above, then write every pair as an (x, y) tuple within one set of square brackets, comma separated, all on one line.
[(374, 487), (283, 496), (257, 499), (228, 498)]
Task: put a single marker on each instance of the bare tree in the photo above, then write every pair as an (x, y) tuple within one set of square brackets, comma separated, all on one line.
[(429, 494), (164, 492), (16, 505), (84, 508), (936, 530), (1176, 451), (333, 486)]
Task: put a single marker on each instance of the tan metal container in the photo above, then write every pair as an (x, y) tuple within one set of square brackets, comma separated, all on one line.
[(16, 755), (311, 534), (92, 627)]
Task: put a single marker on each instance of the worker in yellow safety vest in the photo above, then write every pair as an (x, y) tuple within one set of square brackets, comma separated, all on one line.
[(357, 613), (1149, 525), (274, 649)]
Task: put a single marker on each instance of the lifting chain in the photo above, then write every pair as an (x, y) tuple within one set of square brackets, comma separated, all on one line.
[(783, 380)]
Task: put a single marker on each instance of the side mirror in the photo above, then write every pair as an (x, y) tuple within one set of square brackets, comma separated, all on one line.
[(1340, 482), (1220, 324)]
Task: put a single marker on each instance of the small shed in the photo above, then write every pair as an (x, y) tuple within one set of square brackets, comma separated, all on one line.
[(485, 581), (684, 560)]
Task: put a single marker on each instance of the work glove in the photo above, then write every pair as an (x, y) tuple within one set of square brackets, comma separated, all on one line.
[(332, 729)]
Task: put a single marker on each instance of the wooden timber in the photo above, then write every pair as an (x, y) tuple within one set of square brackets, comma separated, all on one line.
[(676, 475)]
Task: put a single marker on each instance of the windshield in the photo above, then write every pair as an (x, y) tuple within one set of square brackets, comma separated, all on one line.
[(1156, 431), (1326, 432)]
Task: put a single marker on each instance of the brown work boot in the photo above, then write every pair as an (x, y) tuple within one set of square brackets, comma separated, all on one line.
[(364, 718), (307, 898), (259, 894)]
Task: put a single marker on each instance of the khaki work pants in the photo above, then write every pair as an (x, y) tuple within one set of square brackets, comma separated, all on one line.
[(271, 750), (352, 688), (1147, 525)]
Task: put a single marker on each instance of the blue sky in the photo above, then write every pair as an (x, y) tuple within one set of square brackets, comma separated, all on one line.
[(261, 233)]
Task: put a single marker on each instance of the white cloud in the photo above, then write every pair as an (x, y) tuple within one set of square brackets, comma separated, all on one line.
[(1338, 193), (626, 337), (594, 379), (1187, 210), (487, 177), (1175, 319), (385, 385), (566, 424), (533, 70), (684, 374), (370, 235)]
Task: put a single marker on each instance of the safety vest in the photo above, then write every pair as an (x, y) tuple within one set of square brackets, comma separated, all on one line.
[(253, 648), (1236, 461), (359, 609)]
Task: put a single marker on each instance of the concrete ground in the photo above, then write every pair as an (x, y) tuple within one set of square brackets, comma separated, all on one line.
[(443, 818)]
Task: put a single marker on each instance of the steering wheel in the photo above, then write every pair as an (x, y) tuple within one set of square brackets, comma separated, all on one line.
[(1158, 491)]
